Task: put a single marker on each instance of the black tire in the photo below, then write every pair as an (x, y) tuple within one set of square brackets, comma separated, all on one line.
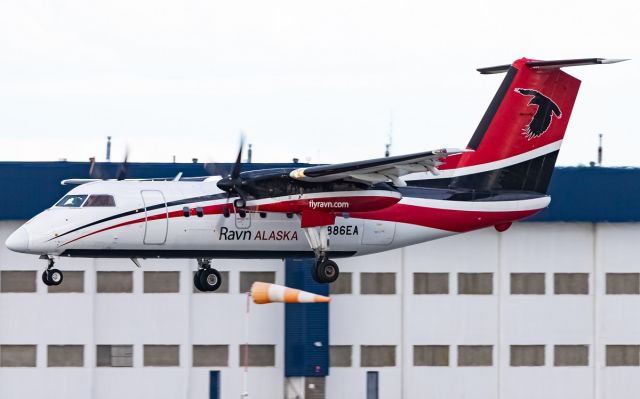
[(52, 277), (45, 278), (196, 280), (327, 271), (210, 279), (314, 273)]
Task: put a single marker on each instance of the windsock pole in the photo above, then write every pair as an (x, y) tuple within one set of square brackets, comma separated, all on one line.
[(245, 377)]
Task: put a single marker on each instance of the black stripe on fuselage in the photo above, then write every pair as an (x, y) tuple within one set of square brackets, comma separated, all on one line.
[(478, 135), (532, 175), (203, 198), (191, 254)]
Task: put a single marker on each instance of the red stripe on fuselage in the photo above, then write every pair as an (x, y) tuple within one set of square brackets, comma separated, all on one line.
[(443, 219), (207, 210), (458, 221)]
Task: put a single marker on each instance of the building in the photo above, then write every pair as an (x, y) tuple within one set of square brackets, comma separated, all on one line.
[(546, 309)]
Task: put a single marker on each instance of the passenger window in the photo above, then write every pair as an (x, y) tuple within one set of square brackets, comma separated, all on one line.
[(71, 201), (100, 200)]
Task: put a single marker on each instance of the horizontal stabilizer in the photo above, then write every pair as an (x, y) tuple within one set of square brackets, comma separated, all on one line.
[(551, 64)]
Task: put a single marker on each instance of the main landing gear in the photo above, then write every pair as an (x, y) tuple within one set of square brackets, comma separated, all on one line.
[(51, 276), (324, 270), (206, 278)]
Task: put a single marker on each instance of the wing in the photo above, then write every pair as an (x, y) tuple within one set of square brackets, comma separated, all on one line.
[(378, 170)]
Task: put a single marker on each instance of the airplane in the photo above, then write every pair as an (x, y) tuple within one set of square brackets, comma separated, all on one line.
[(326, 211)]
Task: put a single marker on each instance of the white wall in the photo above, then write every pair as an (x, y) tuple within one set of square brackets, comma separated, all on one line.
[(403, 320)]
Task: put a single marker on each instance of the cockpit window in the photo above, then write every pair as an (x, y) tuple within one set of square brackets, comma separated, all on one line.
[(72, 201), (100, 200)]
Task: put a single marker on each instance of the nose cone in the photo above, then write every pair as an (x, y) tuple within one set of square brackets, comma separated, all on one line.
[(18, 241)]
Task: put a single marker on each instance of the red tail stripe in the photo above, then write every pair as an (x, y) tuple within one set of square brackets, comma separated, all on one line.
[(443, 219)]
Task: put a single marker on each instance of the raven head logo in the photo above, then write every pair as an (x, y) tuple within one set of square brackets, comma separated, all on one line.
[(542, 118)]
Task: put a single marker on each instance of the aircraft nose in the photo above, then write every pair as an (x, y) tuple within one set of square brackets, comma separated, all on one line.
[(18, 241)]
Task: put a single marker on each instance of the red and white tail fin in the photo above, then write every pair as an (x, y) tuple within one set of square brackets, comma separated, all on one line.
[(519, 136)]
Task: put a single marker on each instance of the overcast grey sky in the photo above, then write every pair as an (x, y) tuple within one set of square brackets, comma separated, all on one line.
[(314, 80)]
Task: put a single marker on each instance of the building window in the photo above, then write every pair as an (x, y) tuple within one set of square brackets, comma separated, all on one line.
[(73, 282), (161, 282), (259, 355), (377, 283), (571, 283), (571, 355), (431, 283), (17, 356), (475, 283), (623, 283), (475, 355), (623, 355), (527, 284), (248, 278), (342, 285), (431, 355), (210, 355), (527, 355), (224, 286), (65, 356), (161, 355), (114, 356), (340, 355), (377, 355), (114, 282), (17, 281)]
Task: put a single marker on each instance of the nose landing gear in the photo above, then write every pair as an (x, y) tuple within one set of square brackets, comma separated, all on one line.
[(51, 276), (206, 279)]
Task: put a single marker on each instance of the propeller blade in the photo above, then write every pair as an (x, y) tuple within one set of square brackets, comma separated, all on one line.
[(122, 169), (235, 172)]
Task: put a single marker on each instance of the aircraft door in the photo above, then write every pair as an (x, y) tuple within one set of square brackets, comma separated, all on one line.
[(156, 221), (378, 232)]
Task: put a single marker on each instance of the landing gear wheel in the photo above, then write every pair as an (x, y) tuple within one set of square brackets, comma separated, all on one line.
[(325, 271), (52, 277), (210, 279), (196, 280)]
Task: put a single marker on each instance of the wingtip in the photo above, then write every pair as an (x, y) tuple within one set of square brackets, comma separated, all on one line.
[(613, 60)]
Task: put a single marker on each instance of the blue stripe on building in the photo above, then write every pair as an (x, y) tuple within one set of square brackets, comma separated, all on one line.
[(578, 194), (306, 341)]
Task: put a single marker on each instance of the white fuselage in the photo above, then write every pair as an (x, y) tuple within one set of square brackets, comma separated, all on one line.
[(131, 229)]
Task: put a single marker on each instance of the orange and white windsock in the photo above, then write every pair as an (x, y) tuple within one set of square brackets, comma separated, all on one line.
[(267, 293)]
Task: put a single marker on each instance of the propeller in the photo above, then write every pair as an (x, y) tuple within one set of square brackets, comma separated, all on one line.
[(97, 170), (233, 182), (121, 174)]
